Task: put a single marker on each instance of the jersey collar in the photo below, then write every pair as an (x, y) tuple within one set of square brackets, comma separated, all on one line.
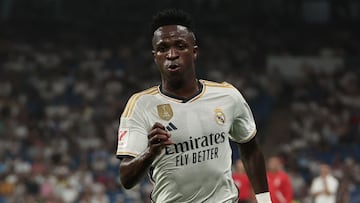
[(198, 94)]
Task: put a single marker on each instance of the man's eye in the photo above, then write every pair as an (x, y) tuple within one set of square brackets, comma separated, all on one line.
[(161, 49), (181, 46)]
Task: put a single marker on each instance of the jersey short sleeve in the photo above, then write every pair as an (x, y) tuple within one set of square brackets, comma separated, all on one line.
[(243, 127), (132, 132)]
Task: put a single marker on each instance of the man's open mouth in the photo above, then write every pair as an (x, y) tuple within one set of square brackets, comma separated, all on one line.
[(173, 67)]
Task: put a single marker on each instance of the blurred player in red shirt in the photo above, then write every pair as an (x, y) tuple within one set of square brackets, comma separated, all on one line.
[(279, 182), (242, 182)]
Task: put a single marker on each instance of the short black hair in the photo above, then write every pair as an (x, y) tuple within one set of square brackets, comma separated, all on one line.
[(172, 17)]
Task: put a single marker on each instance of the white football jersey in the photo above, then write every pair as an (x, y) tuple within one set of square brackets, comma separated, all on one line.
[(197, 167)]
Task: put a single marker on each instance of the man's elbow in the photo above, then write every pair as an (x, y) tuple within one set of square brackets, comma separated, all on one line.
[(125, 174), (127, 184)]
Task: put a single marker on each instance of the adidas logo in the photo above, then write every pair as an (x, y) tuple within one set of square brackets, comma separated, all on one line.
[(171, 127)]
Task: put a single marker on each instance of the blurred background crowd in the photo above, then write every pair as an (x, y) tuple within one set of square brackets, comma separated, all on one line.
[(67, 69)]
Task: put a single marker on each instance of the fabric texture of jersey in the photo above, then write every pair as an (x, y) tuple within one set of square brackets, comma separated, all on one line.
[(197, 167)]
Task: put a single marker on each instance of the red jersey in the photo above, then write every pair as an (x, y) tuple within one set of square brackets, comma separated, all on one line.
[(243, 184), (280, 187)]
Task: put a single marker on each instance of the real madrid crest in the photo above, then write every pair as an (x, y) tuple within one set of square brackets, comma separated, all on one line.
[(219, 116), (165, 112)]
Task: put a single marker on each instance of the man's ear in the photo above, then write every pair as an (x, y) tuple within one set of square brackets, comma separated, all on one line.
[(195, 51), (153, 53)]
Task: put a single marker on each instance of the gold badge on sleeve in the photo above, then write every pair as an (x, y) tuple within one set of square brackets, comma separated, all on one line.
[(165, 112)]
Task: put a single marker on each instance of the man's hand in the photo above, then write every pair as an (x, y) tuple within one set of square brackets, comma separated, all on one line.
[(133, 169), (158, 138)]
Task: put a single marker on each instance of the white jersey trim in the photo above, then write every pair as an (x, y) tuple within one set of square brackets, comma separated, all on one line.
[(248, 138), (127, 154)]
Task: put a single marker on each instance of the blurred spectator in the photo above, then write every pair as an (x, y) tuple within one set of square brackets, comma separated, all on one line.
[(280, 187), (242, 182), (325, 186)]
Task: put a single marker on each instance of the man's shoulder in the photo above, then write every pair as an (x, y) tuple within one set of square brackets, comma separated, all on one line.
[(138, 99), (209, 83), (333, 178), (221, 88), (150, 91)]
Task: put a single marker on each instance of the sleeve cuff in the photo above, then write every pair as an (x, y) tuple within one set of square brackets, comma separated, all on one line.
[(124, 156), (263, 197)]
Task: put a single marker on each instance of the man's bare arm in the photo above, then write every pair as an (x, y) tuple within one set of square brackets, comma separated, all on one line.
[(254, 164), (132, 170)]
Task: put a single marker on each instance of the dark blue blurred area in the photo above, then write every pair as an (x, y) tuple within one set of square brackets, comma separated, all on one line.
[(67, 69)]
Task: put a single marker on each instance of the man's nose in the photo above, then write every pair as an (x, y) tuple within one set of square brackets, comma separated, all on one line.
[(172, 54)]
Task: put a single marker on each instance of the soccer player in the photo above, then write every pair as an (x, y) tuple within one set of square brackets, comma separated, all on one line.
[(179, 131)]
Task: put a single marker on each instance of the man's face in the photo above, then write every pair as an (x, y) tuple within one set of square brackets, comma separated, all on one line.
[(274, 164), (174, 52), (324, 170)]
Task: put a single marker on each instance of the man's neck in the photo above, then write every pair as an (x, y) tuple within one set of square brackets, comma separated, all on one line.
[(184, 89)]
